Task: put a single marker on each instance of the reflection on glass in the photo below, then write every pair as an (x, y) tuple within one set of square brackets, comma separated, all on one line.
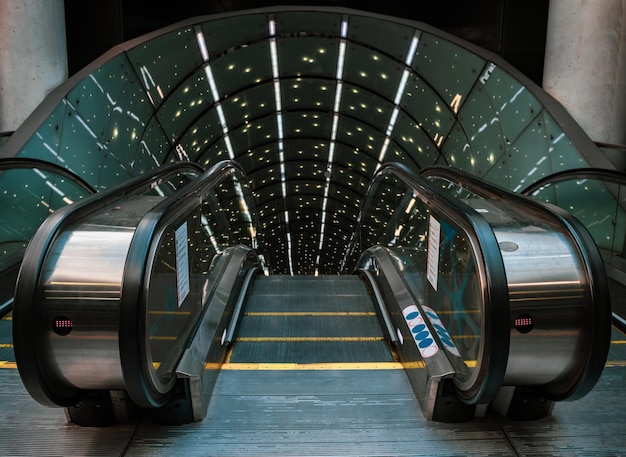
[(27, 197), (184, 270), (450, 296), (599, 206)]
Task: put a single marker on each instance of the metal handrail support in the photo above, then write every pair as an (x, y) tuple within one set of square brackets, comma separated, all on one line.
[(430, 374)]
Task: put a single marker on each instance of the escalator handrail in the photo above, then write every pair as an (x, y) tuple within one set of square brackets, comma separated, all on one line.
[(20, 163), (601, 318), (603, 174), (26, 303), (490, 369), (133, 350)]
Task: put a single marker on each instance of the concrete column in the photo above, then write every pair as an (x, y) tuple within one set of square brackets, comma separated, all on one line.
[(33, 56), (585, 64)]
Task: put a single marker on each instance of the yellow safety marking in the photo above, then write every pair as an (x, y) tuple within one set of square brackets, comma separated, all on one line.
[(173, 313), (419, 364), (5, 345), (300, 339), (311, 313), (618, 341), (164, 338), (317, 366), (229, 353), (313, 366), (7, 318)]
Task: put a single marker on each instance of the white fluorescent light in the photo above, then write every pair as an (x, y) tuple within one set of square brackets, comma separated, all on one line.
[(335, 126), (411, 54), (279, 121), (338, 96), (229, 146), (209, 75), (202, 45), (222, 118), (392, 121), (341, 60), (383, 150), (331, 155), (274, 57), (401, 87), (277, 99)]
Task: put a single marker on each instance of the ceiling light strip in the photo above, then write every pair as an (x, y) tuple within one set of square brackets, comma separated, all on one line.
[(280, 132), (341, 59), (214, 92), (410, 56)]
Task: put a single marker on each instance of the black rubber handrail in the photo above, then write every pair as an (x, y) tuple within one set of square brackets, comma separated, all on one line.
[(490, 370), (133, 351), (14, 163), (29, 358), (612, 176), (601, 317)]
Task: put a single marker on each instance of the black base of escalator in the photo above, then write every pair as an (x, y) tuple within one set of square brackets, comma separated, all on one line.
[(95, 410), (178, 410), (528, 405), (448, 407), (103, 408), (522, 403)]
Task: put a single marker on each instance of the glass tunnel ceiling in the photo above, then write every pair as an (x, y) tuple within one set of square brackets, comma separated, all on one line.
[(310, 102)]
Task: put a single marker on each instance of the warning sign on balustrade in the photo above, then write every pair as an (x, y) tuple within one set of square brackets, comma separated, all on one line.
[(432, 267), (182, 263)]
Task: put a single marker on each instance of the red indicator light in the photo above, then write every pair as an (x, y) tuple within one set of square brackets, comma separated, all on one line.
[(524, 323), (62, 325)]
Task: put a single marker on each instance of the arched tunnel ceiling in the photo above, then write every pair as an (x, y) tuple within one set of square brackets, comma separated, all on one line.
[(310, 102)]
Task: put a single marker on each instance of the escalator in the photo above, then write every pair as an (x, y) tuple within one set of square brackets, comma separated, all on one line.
[(483, 298)]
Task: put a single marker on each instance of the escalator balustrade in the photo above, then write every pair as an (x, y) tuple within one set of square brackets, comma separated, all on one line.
[(122, 295), (502, 300)]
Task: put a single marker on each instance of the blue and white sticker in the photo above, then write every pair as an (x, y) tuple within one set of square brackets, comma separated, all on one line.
[(443, 334), (421, 334)]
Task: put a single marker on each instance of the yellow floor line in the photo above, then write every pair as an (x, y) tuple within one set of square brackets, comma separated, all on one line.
[(233, 366), (313, 366), (310, 313)]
